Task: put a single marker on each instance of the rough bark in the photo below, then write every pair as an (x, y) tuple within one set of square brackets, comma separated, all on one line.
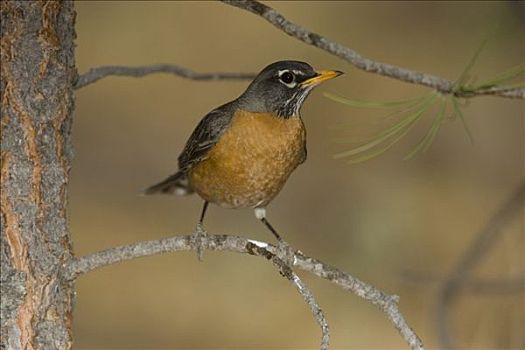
[(38, 71)]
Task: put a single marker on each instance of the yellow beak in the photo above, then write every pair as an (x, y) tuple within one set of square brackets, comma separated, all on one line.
[(321, 76)]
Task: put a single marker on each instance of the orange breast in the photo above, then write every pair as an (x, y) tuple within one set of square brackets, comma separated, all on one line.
[(251, 162)]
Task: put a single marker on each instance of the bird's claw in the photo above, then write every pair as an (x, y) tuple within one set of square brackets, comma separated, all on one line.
[(198, 238), (286, 253)]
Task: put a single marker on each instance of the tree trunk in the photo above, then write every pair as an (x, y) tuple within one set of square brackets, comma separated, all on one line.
[(38, 71)]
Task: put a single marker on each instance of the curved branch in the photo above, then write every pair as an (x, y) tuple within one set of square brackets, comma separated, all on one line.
[(256, 248), (386, 303), (95, 74), (353, 57)]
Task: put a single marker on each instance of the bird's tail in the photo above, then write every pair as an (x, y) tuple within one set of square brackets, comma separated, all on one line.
[(176, 183)]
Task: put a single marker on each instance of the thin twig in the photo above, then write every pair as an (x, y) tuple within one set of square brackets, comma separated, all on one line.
[(386, 303), (353, 57), (411, 76), (286, 271), (479, 247), (98, 73)]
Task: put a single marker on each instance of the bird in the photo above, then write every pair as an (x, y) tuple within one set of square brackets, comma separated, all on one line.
[(241, 154)]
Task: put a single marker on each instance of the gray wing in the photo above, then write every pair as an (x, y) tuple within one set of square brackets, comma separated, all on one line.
[(205, 136)]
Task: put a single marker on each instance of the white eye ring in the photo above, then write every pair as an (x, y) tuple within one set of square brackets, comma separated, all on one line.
[(284, 77)]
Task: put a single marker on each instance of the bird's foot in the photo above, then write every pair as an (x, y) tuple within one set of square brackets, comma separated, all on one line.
[(197, 240), (286, 253)]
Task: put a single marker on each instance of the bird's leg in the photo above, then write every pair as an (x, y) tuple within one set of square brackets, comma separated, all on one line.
[(200, 232), (284, 251), (203, 213), (260, 213)]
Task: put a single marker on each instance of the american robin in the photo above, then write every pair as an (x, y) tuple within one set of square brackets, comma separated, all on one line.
[(241, 154)]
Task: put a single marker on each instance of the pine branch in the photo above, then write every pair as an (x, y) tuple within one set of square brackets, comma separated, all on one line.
[(95, 74), (285, 260), (353, 57)]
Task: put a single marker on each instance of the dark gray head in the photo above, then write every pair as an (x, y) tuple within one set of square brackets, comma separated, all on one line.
[(282, 87)]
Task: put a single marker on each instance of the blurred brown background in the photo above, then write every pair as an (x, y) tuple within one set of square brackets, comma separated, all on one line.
[(375, 220)]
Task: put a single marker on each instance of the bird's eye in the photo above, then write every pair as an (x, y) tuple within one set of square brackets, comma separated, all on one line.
[(287, 78)]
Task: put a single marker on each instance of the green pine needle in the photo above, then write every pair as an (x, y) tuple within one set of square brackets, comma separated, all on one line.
[(389, 145), (427, 140), (459, 113), (460, 82), (414, 109), (397, 131), (371, 104), (508, 75)]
